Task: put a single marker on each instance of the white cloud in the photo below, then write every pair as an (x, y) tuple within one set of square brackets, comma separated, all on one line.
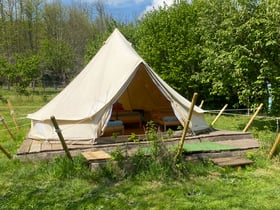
[(156, 4), (159, 3), (153, 3), (118, 2)]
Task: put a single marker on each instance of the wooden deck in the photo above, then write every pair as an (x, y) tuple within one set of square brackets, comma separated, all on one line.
[(232, 161), (32, 149)]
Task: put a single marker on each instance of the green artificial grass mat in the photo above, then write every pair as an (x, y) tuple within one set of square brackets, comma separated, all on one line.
[(205, 146), (196, 147)]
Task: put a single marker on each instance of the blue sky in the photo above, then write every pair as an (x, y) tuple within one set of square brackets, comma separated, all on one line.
[(127, 10)]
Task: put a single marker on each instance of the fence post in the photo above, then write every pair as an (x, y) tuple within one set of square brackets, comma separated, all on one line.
[(12, 112), (61, 138), (218, 116), (201, 104), (274, 147), (252, 118), (186, 126), (5, 152), (6, 127)]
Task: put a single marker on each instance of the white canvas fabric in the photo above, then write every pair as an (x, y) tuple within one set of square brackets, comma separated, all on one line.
[(115, 73)]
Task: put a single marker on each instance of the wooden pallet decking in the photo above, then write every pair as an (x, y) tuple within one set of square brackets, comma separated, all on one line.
[(232, 161), (38, 149)]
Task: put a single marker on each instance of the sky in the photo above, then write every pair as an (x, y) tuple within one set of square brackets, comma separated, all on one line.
[(132, 9), (129, 10)]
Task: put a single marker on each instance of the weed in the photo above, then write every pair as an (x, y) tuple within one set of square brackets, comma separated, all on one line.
[(150, 131), (170, 132), (115, 135), (133, 137)]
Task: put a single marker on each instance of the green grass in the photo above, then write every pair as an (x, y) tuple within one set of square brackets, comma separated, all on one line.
[(61, 184)]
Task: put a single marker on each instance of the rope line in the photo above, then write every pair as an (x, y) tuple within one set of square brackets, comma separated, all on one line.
[(244, 115)]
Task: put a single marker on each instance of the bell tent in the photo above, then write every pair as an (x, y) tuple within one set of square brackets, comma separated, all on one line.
[(116, 74)]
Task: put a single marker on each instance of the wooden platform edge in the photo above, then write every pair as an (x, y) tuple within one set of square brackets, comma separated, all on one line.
[(231, 161)]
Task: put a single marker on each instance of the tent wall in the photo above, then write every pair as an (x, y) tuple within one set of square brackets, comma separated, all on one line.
[(115, 74)]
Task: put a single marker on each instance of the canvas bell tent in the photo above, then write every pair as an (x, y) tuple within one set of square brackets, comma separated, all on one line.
[(115, 74)]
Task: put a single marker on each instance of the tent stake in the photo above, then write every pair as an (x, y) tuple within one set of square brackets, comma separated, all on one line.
[(5, 152), (6, 127), (273, 149), (61, 138), (218, 116), (252, 118), (186, 126), (201, 104), (12, 112)]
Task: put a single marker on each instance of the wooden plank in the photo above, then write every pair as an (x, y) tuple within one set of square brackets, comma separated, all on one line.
[(81, 146), (96, 155), (232, 161), (79, 142), (241, 143), (35, 146), (46, 146), (56, 146), (25, 146)]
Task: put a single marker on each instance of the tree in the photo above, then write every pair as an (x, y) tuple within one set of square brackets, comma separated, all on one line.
[(79, 30), (26, 71), (57, 60), (227, 51), (166, 38), (237, 57), (103, 26)]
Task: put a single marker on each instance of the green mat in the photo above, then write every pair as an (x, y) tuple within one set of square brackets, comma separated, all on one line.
[(205, 146), (197, 147)]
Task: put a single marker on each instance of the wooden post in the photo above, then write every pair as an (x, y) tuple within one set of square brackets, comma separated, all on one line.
[(61, 138), (5, 152), (6, 127), (186, 126), (12, 112), (252, 118), (273, 149), (218, 116), (201, 104)]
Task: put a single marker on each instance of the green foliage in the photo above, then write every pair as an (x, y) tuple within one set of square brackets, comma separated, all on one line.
[(64, 168), (151, 131), (133, 137), (225, 50), (57, 58), (167, 40), (170, 132)]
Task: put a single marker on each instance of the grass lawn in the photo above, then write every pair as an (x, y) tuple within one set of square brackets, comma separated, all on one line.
[(61, 184)]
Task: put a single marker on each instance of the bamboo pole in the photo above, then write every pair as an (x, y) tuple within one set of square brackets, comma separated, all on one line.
[(201, 104), (61, 138), (252, 118), (218, 116), (6, 127), (274, 147), (12, 112), (186, 126), (5, 152)]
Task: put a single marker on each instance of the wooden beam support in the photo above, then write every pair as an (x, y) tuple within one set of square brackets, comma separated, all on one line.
[(6, 127), (12, 112), (274, 147), (5, 152), (201, 104), (253, 117), (61, 138), (218, 116), (186, 126)]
